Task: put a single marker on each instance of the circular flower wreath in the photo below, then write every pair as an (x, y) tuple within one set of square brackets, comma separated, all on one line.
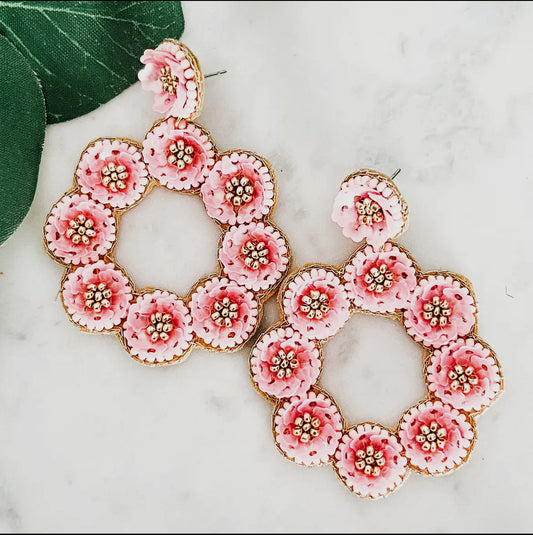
[(238, 189), (439, 312)]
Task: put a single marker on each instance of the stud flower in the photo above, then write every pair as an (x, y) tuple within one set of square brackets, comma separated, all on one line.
[(465, 374), (369, 206), (441, 308), (255, 255), (224, 313), (315, 303), (79, 230), (436, 437), (112, 172), (97, 296), (239, 189), (380, 281), (158, 328), (308, 428), (370, 461), (178, 153), (284, 363), (173, 74)]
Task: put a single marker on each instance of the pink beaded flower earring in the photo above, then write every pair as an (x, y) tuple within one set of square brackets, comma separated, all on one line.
[(238, 190), (438, 310)]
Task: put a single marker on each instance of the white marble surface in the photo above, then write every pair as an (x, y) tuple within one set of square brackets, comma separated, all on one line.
[(91, 440)]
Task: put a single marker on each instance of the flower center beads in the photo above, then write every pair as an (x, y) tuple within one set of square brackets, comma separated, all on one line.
[(437, 312), (239, 191), (378, 279), (81, 230), (370, 461), (306, 427), (97, 297), (369, 211), (224, 312), (160, 326), (315, 305), (432, 437), (180, 154), (168, 81), (463, 378), (114, 176), (283, 363), (255, 254)]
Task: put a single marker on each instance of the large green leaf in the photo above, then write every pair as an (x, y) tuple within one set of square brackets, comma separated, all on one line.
[(22, 125), (85, 53)]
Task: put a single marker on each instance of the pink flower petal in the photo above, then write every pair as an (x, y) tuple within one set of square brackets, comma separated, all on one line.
[(157, 151), (456, 443), (467, 360), (370, 293), (138, 321), (184, 94), (301, 378), (301, 286), (459, 301), (96, 159), (366, 184), (319, 449), (75, 289), (203, 305), (254, 276), (238, 166), (373, 440), (68, 209)]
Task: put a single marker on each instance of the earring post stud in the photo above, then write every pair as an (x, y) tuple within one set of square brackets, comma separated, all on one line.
[(215, 73), (395, 174)]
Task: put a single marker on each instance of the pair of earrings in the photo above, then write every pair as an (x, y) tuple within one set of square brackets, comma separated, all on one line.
[(222, 311)]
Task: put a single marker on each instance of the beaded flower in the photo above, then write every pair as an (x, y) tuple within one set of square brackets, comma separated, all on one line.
[(254, 255), (79, 230), (464, 374), (112, 172), (439, 312), (315, 303), (370, 461), (97, 296), (158, 327), (284, 363), (369, 206), (224, 313), (239, 188), (178, 153), (380, 281), (436, 437), (308, 428), (173, 74), (441, 308), (220, 312)]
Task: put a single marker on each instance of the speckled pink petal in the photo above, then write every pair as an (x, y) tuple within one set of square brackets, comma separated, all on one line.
[(202, 304), (76, 286), (136, 334), (259, 276), (324, 281), (398, 267), (319, 449), (306, 360), (465, 374), (457, 443), (373, 440), (58, 224)]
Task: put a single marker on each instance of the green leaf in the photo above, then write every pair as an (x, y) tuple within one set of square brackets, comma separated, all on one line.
[(21, 137), (85, 52)]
